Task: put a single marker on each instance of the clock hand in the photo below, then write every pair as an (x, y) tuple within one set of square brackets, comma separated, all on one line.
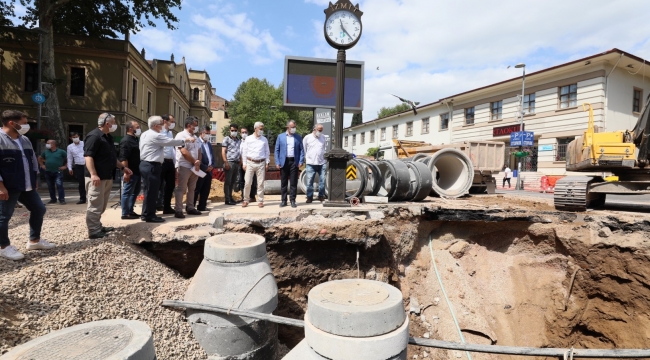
[(345, 31)]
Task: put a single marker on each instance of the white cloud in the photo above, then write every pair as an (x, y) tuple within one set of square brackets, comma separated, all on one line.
[(158, 42), (201, 50)]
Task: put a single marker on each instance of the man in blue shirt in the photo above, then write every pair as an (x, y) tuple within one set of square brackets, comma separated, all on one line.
[(289, 156)]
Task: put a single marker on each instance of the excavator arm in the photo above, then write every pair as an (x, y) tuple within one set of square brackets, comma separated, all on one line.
[(641, 134)]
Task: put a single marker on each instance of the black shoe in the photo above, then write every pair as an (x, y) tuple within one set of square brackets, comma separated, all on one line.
[(179, 215), (81, 202), (107, 229), (169, 212), (283, 204), (52, 202), (98, 235), (159, 208), (193, 212), (134, 214), (238, 201), (62, 202), (309, 200), (321, 198), (293, 204), (206, 209), (157, 219), (230, 203), (129, 217)]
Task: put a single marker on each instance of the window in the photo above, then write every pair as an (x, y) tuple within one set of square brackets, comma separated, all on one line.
[(77, 81), (372, 136), (346, 141), (568, 96), (425, 125), (354, 139), (495, 110), (174, 110), (148, 102), (134, 91), (469, 116), (444, 121), (395, 127), (636, 102), (529, 103), (31, 77), (362, 139), (196, 94), (560, 150), (409, 128), (383, 134)]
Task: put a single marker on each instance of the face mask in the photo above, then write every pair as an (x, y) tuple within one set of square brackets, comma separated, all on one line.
[(75, 140), (244, 135), (23, 129), (292, 130), (196, 130), (172, 126), (260, 132), (319, 133), (138, 132), (233, 133), (48, 146), (113, 128)]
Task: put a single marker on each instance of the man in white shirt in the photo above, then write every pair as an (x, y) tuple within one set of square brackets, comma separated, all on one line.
[(76, 163), (255, 160), (507, 176), (242, 174), (188, 158), (314, 145)]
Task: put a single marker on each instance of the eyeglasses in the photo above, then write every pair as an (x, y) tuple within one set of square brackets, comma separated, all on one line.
[(108, 116)]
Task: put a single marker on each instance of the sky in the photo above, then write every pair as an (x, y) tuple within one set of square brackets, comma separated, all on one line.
[(421, 50)]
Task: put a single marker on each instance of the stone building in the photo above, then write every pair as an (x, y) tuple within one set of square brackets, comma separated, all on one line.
[(220, 118)]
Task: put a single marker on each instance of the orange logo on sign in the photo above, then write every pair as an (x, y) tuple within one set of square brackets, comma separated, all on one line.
[(322, 86)]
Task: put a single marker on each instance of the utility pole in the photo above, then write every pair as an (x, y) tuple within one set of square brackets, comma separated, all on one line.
[(518, 186)]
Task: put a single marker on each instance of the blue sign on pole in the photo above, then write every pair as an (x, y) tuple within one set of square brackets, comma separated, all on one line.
[(522, 138), (528, 138), (38, 98), (515, 139)]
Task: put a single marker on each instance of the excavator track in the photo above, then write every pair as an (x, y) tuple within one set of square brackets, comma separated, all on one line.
[(572, 193)]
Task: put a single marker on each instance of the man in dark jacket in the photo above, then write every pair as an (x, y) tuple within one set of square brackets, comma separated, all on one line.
[(289, 156), (208, 163), (130, 157), (18, 170)]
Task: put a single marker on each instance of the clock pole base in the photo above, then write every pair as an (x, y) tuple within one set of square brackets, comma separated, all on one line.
[(337, 163)]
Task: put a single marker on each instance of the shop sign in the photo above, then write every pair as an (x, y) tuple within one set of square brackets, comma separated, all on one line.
[(505, 130)]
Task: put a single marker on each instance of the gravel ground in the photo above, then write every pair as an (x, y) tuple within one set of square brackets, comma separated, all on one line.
[(86, 280)]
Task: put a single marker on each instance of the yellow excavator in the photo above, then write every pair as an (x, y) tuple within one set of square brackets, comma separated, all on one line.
[(625, 154)]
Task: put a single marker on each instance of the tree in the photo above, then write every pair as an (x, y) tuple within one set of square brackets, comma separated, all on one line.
[(388, 111), (357, 119), (96, 18), (253, 101)]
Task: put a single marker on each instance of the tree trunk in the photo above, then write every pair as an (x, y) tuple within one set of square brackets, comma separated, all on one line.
[(51, 113)]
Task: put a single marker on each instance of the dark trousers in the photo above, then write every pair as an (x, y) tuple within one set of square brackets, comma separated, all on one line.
[(242, 183), (151, 175), (78, 172), (289, 176), (202, 191), (167, 183), (54, 183), (33, 203), (229, 181), (504, 182), (130, 192)]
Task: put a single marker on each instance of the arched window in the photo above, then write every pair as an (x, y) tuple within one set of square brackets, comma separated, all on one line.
[(196, 94)]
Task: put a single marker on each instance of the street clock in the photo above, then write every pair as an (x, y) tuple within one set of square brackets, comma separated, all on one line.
[(343, 25)]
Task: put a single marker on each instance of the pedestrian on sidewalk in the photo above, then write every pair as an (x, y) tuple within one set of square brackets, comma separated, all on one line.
[(130, 157), (242, 173), (101, 161), (231, 153), (188, 158), (507, 176), (168, 172), (153, 149), (314, 145), (289, 157), (53, 161), (255, 160), (208, 163), (76, 164), (18, 171)]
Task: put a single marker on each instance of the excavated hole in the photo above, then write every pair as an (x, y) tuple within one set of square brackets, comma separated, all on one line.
[(508, 281)]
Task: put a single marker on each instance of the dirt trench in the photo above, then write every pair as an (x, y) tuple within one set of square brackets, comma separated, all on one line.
[(507, 278)]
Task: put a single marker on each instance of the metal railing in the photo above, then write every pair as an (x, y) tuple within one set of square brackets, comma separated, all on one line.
[(560, 152)]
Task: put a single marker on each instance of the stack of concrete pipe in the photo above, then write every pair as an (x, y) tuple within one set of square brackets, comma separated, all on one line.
[(235, 273), (353, 319)]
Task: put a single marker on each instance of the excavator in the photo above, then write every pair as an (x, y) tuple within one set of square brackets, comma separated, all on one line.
[(624, 154)]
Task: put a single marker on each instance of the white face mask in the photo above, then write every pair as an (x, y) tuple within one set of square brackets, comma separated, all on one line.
[(319, 133), (113, 128), (243, 136), (75, 140), (172, 126), (23, 129), (233, 133), (196, 130), (260, 132), (292, 130), (48, 146), (138, 132)]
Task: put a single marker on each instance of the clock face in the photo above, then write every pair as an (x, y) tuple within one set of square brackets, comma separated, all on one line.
[(343, 28)]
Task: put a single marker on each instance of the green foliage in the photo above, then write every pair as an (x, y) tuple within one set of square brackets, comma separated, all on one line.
[(388, 111), (252, 102), (357, 119), (6, 11), (372, 151)]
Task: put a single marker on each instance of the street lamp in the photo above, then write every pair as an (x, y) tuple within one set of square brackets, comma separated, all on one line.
[(521, 119)]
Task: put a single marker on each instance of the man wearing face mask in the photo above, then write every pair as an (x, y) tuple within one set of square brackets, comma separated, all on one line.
[(101, 160), (289, 156), (255, 161), (18, 171), (53, 161), (314, 145), (76, 163), (208, 162), (168, 170), (188, 157), (231, 152), (130, 157), (242, 174)]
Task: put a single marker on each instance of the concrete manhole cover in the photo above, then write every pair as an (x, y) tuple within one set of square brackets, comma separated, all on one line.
[(98, 342), (354, 293), (238, 240)]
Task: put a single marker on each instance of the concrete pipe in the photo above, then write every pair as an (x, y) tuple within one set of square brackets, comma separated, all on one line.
[(272, 187), (235, 273), (302, 184), (354, 319), (453, 173), (421, 181), (421, 158), (353, 188), (106, 339), (396, 179), (373, 177)]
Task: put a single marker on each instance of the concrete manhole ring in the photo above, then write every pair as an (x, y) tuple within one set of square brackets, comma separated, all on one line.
[(236, 240), (354, 293)]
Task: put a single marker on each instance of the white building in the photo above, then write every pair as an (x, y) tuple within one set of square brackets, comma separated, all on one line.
[(613, 83)]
